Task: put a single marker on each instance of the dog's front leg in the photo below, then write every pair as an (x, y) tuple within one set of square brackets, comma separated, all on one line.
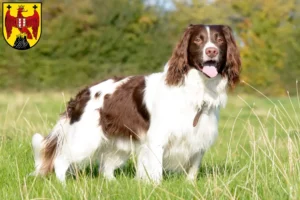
[(195, 162), (150, 168)]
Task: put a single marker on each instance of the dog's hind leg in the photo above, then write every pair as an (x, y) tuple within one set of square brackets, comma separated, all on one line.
[(46, 149), (61, 165), (37, 145)]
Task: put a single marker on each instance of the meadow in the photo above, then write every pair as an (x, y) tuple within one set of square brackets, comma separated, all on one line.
[(256, 155)]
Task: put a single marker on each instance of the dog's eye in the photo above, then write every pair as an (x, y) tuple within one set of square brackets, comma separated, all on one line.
[(198, 40), (220, 40)]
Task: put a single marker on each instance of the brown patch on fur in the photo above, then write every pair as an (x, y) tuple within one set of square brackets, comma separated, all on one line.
[(118, 78), (178, 64), (97, 95), (106, 96), (233, 61), (76, 106), (124, 113), (48, 154)]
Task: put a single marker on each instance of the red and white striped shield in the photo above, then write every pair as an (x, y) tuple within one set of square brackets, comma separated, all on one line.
[(21, 22)]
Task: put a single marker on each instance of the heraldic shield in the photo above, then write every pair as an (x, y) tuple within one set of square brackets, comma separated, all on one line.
[(22, 24)]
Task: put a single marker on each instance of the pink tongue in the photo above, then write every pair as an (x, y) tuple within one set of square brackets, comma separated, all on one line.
[(210, 71)]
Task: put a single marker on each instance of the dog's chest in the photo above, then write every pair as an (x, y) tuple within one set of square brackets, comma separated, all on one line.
[(182, 144), (173, 116), (178, 150)]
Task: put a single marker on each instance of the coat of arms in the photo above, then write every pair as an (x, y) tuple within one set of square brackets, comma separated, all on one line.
[(21, 24)]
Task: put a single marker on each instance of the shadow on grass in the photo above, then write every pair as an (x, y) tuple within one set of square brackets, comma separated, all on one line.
[(129, 171), (205, 171)]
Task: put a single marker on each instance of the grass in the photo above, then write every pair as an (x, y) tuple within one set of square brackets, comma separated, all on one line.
[(256, 155)]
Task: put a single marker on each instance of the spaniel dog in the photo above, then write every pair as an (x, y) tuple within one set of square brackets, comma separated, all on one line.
[(167, 119)]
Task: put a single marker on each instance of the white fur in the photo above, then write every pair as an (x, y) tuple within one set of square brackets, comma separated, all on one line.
[(171, 142), (207, 45)]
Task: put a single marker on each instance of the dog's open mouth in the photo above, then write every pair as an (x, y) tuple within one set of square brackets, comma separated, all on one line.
[(209, 68)]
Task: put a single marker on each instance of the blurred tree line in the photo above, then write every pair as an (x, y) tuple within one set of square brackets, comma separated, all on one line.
[(88, 40)]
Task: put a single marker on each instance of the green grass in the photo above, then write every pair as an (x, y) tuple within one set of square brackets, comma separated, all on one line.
[(256, 155)]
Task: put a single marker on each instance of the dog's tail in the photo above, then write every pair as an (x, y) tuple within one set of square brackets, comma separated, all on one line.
[(46, 149)]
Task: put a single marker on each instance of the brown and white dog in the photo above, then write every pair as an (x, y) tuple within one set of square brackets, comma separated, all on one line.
[(169, 119)]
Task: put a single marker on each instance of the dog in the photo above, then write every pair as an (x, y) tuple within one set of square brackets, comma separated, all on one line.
[(168, 119)]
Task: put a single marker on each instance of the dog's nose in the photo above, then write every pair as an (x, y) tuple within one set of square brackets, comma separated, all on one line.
[(211, 52)]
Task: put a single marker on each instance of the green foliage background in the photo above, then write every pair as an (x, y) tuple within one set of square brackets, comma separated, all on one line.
[(88, 40)]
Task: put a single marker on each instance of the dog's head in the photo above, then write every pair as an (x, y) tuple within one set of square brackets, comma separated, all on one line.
[(210, 49)]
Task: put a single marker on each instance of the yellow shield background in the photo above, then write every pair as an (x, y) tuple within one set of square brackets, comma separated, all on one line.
[(13, 12)]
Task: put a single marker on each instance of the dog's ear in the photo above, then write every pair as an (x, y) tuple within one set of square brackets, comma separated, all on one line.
[(178, 64), (233, 61)]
